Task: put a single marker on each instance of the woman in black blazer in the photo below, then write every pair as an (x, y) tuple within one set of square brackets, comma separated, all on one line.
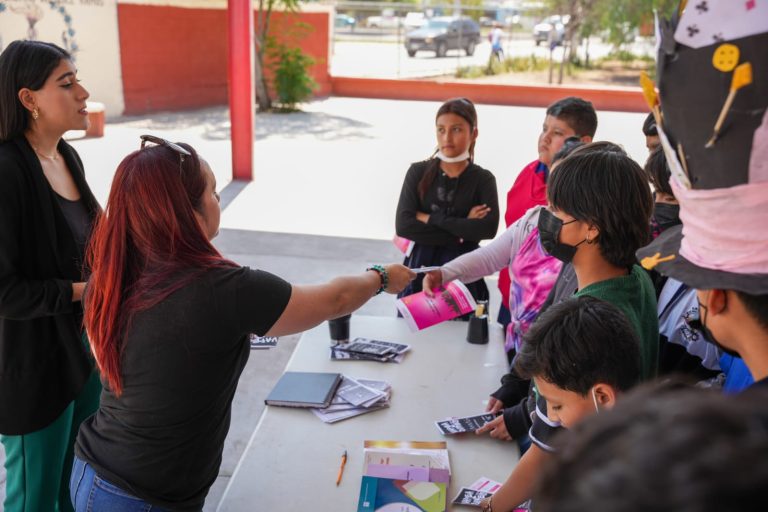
[(47, 380)]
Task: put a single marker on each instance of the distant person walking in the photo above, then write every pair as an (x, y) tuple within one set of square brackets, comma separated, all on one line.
[(495, 37)]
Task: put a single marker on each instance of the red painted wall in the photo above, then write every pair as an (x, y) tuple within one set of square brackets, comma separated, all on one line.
[(625, 99), (176, 58)]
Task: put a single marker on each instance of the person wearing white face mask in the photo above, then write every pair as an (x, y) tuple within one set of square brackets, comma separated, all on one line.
[(448, 203), (582, 354)]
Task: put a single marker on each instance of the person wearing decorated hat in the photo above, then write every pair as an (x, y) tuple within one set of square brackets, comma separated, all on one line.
[(714, 131)]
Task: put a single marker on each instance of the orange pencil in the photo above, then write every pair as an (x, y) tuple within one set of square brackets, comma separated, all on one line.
[(341, 468)]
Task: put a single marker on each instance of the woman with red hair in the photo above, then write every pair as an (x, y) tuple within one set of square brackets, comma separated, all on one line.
[(168, 319)]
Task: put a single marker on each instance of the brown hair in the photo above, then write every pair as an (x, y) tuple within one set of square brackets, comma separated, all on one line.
[(463, 108)]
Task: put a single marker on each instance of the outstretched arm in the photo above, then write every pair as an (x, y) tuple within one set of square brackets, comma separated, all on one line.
[(313, 304)]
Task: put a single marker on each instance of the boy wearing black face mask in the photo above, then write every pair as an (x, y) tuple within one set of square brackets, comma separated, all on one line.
[(666, 211), (603, 210), (600, 207)]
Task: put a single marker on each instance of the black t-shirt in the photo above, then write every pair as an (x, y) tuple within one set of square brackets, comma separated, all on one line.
[(163, 438), (76, 214)]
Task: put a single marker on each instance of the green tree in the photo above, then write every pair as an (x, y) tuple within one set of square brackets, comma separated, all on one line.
[(618, 18), (621, 18), (470, 8), (261, 35), (290, 68)]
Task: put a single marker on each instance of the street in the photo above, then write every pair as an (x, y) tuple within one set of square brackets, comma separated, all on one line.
[(378, 55)]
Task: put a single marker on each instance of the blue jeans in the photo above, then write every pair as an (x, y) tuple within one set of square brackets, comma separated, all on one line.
[(523, 443), (91, 493)]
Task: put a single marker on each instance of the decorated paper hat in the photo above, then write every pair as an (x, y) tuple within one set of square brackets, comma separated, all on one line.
[(711, 109)]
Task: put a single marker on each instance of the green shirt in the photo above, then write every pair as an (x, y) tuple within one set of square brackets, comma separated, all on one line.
[(635, 296)]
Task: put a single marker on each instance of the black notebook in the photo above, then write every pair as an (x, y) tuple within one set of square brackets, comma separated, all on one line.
[(304, 389)]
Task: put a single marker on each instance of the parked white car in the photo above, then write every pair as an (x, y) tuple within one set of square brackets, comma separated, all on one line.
[(384, 21), (414, 20)]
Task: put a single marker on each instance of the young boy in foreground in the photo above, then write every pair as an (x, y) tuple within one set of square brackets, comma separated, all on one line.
[(581, 354)]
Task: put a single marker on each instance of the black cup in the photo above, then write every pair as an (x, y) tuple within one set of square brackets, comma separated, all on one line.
[(339, 328), (477, 330)]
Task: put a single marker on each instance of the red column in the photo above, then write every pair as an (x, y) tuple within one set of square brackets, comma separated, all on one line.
[(241, 91)]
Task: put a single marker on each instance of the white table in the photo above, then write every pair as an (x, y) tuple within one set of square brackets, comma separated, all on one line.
[(293, 458)]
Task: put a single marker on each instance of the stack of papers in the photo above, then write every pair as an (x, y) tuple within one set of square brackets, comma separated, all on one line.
[(365, 349), (403, 475), (355, 397)]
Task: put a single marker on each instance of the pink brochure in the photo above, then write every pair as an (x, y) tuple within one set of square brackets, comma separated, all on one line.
[(450, 301), (405, 245)]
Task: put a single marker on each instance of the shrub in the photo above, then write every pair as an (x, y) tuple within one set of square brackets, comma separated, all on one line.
[(292, 81)]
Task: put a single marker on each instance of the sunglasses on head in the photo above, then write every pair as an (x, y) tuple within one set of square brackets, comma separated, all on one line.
[(159, 141)]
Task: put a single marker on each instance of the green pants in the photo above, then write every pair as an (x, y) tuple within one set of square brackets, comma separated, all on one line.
[(38, 464)]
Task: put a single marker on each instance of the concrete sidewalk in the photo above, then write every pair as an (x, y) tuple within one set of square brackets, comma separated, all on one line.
[(323, 198)]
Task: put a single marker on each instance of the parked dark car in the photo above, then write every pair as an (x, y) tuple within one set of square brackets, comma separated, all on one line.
[(442, 34)]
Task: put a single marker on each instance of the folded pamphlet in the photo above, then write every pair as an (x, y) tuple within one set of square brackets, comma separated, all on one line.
[(262, 342), (403, 244), (466, 424), (449, 301), (470, 497), (477, 492)]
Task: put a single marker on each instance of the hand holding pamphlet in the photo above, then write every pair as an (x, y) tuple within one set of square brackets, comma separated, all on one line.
[(450, 301), (466, 424)]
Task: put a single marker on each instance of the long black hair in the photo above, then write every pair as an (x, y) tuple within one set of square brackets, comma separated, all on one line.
[(463, 108), (24, 64)]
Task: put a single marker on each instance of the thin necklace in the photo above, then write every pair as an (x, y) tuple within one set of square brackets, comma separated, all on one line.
[(53, 157)]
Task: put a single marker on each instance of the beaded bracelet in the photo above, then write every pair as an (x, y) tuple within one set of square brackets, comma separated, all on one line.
[(383, 276)]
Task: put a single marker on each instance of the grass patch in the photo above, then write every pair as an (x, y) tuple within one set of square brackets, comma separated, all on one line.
[(508, 65)]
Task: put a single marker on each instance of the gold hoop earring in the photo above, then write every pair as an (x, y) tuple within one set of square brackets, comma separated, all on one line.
[(35, 113)]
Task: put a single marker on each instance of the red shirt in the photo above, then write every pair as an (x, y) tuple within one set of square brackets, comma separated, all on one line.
[(529, 190)]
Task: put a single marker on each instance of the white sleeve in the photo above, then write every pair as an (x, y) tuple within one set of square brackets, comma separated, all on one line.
[(498, 254)]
